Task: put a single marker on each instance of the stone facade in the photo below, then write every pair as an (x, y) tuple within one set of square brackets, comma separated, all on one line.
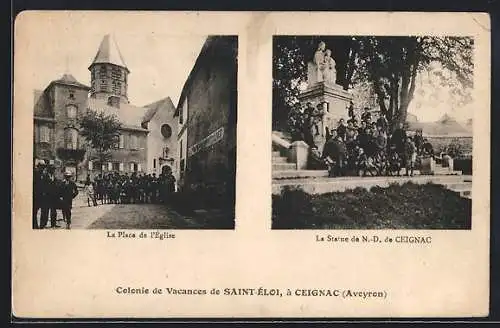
[(57, 138), (162, 138), (207, 112)]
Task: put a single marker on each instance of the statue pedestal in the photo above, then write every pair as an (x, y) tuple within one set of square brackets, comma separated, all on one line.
[(298, 154), (335, 102)]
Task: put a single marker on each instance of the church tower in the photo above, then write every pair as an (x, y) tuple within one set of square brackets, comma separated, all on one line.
[(109, 74)]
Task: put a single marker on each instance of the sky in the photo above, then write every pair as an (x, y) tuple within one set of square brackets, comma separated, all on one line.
[(159, 62)]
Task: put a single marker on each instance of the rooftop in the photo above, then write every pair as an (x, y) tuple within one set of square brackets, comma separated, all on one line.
[(68, 79), (130, 115), (109, 53)]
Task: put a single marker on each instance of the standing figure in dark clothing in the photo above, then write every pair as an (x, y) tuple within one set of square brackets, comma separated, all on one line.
[(398, 140), (69, 191), (38, 192), (418, 139), (427, 149), (334, 154), (366, 116), (350, 110), (382, 123), (50, 186), (306, 130), (341, 129)]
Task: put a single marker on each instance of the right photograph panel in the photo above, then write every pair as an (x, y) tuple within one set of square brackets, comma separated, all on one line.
[(372, 132)]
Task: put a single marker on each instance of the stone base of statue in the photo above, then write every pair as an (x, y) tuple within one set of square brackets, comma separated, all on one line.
[(335, 101)]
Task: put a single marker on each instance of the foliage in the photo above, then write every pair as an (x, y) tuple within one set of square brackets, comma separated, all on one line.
[(407, 206), (381, 68), (290, 57), (101, 131)]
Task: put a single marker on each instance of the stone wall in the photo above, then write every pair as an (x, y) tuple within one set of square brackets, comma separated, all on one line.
[(212, 105)]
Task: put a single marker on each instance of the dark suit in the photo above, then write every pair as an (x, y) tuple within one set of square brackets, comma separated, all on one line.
[(69, 190), (49, 200)]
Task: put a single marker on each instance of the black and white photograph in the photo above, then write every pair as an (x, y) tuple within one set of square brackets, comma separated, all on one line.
[(372, 132), (134, 129)]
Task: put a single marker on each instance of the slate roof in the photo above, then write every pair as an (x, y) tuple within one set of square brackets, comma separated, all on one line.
[(68, 79), (153, 108), (109, 53), (130, 115)]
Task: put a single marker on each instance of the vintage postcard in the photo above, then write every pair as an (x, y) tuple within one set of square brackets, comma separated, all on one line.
[(250, 164)]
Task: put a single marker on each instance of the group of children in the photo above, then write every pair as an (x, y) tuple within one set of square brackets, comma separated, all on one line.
[(361, 147), (116, 188)]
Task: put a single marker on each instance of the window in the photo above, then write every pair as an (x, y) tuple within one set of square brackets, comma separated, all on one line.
[(117, 87), (110, 166), (116, 73), (120, 167), (71, 138), (133, 142), (104, 86), (102, 72), (71, 111), (154, 163), (116, 166), (44, 133), (91, 165), (103, 167), (166, 131), (134, 167), (121, 142), (71, 94), (181, 116), (182, 164)]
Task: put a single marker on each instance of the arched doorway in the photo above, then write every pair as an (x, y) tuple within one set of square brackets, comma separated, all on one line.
[(166, 169)]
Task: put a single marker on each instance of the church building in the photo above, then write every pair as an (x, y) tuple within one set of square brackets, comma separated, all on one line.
[(57, 138)]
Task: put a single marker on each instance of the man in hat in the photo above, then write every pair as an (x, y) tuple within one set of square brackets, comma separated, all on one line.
[(50, 187), (69, 191)]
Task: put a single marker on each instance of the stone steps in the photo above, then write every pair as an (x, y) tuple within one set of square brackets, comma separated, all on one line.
[(283, 166), (278, 160), (299, 174)]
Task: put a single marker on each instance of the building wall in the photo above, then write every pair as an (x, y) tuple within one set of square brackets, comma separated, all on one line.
[(157, 142), (108, 79), (130, 153), (182, 142), (212, 104), (51, 112)]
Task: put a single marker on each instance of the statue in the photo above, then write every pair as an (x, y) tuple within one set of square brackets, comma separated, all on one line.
[(322, 67), (329, 73)]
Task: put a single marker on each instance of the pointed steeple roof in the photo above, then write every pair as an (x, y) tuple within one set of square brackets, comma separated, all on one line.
[(109, 53)]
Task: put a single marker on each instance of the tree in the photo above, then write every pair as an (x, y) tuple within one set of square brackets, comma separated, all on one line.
[(102, 132), (386, 66), (392, 64), (290, 57)]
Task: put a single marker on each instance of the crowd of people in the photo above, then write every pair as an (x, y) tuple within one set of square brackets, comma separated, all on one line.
[(363, 146), (51, 194), (116, 188)]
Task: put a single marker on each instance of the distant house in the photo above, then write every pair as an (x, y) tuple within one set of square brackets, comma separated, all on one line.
[(445, 126), (206, 115), (444, 132)]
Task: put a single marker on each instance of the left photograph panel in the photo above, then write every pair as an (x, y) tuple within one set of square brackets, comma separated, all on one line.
[(134, 131)]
